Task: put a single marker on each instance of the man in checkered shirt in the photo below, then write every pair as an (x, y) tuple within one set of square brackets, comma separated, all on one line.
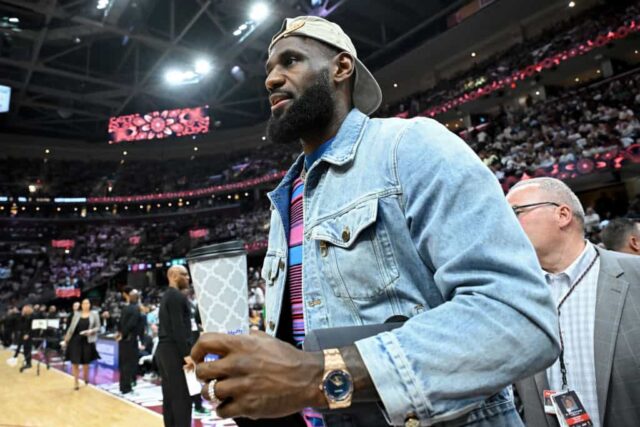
[(598, 299)]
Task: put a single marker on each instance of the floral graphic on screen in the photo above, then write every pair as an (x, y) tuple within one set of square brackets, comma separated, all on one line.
[(159, 124)]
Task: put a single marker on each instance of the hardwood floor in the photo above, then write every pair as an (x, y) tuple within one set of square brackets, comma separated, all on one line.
[(50, 401)]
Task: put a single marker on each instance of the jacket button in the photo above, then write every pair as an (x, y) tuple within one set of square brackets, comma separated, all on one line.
[(411, 421), (272, 325), (324, 249), (346, 234)]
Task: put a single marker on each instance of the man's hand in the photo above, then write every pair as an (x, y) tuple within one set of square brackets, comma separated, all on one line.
[(189, 364), (259, 376)]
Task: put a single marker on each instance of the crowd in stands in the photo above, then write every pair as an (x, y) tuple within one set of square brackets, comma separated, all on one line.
[(55, 177), (559, 37), (576, 124), (31, 269)]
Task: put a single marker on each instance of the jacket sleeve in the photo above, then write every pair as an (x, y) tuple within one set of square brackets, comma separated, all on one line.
[(497, 323)]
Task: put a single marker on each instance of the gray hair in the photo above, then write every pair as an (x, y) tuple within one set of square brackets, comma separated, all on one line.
[(560, 192)]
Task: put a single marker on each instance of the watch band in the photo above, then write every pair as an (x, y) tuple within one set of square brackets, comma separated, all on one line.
[(333, 362)]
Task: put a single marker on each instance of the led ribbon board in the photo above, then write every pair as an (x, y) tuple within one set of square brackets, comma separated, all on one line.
[(159, 124)]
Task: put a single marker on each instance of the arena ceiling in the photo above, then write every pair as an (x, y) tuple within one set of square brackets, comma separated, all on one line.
[(72, 64)]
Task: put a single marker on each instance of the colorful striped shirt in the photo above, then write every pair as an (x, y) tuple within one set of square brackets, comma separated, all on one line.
[(294, 277)]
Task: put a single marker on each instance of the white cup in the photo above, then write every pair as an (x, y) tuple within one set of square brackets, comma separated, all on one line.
[(219, 275)]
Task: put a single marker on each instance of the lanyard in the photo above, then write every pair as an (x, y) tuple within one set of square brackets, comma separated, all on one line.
[(563, 367)]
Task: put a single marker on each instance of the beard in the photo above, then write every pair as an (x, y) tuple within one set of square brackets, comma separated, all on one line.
[(313, 111)]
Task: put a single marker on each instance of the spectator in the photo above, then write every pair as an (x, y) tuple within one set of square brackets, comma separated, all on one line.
[(622, 235)]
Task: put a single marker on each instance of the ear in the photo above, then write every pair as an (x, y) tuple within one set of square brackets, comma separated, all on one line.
[(634, 244), (344, 67), (564, 215)]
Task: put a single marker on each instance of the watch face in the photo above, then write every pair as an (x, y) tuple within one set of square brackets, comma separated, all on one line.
[(338, 385)]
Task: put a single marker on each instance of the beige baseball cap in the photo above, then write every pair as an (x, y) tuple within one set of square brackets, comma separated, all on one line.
[(367, 94)]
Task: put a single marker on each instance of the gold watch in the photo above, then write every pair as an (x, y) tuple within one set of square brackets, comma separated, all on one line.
[(337, 383)]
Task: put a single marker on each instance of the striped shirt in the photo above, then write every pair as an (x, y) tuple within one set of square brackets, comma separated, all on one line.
[(295, 261), (577, 321), (294, 276)]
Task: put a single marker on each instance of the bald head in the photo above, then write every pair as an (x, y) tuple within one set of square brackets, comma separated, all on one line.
[(178, 277), (134, 296)]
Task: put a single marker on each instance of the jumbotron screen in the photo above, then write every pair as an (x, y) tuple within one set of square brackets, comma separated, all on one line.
[(159, 124)]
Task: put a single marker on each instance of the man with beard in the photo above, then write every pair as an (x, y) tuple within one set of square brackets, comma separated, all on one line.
[(389, 217)]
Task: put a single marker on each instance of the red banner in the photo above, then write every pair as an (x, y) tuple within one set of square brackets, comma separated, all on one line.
[(63, 244), (65, 292), (199, 233)]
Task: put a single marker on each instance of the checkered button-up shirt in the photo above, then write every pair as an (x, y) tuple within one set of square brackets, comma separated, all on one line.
[(577, 318)]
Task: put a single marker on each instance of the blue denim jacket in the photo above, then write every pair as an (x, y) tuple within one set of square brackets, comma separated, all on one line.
[(402, 218)]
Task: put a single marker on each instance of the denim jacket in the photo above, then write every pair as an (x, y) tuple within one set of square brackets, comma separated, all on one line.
[(402, 218)]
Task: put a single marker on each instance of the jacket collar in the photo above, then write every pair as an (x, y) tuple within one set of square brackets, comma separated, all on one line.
[(341, 151), (343, 148)]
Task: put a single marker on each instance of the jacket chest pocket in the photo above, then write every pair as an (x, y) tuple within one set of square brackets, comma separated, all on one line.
[(354, 252)]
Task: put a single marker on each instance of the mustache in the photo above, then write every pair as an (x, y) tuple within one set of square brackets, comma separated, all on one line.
[(281, 92)]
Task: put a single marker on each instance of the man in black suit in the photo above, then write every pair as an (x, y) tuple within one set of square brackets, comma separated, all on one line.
[(128, 330), (174, 346), (24, 336)]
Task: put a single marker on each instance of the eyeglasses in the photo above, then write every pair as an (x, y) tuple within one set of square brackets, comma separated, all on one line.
[(518, 209)]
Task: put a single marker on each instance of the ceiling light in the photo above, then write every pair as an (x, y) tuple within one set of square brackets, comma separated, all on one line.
[(37, 208), (47, 151), (102, 4), (572, 4), (14, 20), (195, 148), (264, 138), (124, 153), (577, 79), (537, 92), (395, 85), (259, 12), (473, 54), (202, 66), (173, 76), (177, 77), (237, 33), (597, 71)]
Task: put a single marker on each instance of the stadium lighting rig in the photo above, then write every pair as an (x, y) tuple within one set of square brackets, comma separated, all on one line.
[(257, 14), (192, 75)]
